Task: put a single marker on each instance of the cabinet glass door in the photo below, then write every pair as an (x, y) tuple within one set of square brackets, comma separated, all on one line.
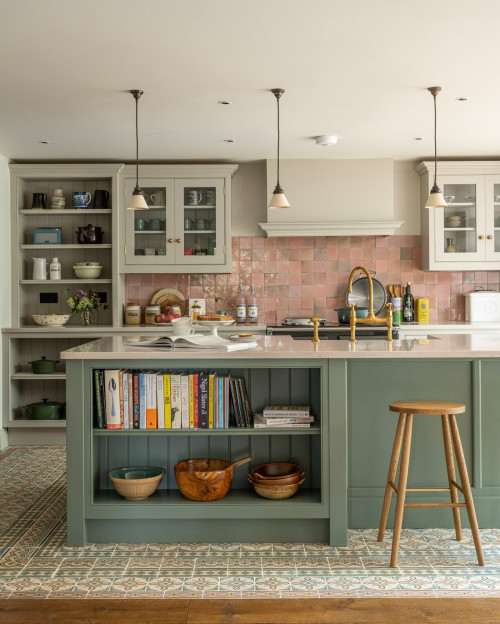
[(492, 230), (200, 221), (150, 233), (460, 226)]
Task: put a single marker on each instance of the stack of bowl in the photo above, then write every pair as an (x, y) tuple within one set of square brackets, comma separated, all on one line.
[(277, 480)]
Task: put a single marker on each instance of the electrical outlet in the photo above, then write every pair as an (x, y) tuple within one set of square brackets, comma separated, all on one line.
[(49, 297)]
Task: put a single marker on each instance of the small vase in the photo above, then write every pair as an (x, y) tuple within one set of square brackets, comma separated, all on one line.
[(85, 317)]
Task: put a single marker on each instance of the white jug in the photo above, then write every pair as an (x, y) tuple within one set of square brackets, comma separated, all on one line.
[(39, 268)]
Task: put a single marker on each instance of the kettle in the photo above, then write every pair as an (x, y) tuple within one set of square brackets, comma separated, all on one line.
[(39, 268)]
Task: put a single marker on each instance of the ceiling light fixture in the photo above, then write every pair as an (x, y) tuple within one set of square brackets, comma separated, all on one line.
[(137, 201), (224, 102), (44, 142), (230, 140), (436, 199), (278, 200), (463, 99), (326, 140), (418, 139)]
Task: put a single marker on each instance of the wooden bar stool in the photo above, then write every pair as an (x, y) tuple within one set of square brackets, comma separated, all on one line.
[(447, 411)]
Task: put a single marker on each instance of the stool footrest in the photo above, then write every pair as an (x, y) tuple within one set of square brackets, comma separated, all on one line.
[(435, 504), (459, 487), (427, 490)]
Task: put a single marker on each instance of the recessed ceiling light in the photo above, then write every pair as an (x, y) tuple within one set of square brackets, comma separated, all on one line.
[(44, 142), (462, 99), (230, 140), (326, 140), (225, 102), (418, 139)]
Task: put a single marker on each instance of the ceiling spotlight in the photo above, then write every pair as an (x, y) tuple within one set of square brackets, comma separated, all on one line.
[(230, 140), (462, 99), (225, 102), (418, 139), (326, 140), (44, 142)]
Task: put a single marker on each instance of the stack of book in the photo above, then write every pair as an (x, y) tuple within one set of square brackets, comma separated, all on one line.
[(142, 399), (280, 416)]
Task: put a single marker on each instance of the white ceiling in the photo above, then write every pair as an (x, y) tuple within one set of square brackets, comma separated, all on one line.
[(355, 68)]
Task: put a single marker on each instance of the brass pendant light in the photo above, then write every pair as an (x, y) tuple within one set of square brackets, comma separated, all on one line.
[(137, 201), (436, 199), (278, 200)]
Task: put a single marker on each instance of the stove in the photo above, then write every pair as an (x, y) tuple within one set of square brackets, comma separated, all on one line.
[(303, 329)]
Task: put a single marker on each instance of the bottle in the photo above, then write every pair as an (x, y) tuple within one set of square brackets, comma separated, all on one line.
[(252, 307), (241, 307), (55, 269), (195, 310), (408, 305)]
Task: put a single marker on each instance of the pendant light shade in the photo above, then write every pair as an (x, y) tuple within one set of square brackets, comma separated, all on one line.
[(137, 201), (278, 200), (436, 199)]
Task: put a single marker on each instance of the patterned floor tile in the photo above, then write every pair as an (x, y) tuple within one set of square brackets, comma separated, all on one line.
[(272, 583), (308, 583), (237, 583), (166, 583), (201, 583)]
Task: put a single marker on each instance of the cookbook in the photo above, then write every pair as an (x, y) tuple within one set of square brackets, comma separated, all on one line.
[(193, 342)]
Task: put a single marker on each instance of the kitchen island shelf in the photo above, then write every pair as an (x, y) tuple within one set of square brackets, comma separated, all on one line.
[(233, 431), (25, 375), (64, 281), (68, 246), (24, 422), (66, 211)]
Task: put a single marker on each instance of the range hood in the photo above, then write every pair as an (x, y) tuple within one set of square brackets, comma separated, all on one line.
[(333, 198)]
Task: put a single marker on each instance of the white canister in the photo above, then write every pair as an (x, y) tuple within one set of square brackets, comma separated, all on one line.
[(150, 315), (482, 306), (39, 268), (55, 269), (57, 201)]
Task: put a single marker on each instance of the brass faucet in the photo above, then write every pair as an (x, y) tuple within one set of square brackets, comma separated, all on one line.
[(371, 318)]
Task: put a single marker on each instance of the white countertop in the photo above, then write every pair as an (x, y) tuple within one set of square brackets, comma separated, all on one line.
[(281, 347), (102, 330)]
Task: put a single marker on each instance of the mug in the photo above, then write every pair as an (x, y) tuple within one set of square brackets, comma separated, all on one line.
[(39, 268), (81, 199), (194, 197), (210, 197), (39, 200), (157, 198), (155, 224), (188, 224), (201, 224), (212, 224), (139, 224), (101, 199), (182, 326)]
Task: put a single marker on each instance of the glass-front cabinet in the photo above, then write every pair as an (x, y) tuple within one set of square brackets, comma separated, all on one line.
[(465, 235), (187, 225)]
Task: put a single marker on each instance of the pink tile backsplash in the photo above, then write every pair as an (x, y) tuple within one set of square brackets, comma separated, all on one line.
[(306, 275)]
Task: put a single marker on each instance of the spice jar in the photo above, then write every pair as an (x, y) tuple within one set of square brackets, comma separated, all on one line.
[(151, 313), (132, 314)]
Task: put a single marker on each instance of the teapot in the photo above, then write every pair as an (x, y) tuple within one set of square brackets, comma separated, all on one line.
[(89, 234)]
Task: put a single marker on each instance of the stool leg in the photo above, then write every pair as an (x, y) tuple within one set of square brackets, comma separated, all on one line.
[(464, 478), (450, 467), (393, 468), (400, 500)]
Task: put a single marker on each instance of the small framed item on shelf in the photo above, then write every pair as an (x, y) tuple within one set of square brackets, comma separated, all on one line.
[(47, 236)]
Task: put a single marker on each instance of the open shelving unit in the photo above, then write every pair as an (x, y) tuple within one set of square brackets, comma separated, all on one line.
[(100, 514)]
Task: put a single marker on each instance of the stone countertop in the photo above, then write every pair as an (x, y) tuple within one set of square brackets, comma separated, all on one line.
[(283, 347), (102, 330)]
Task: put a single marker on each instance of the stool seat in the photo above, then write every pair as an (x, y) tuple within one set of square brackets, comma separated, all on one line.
[(438, 408)]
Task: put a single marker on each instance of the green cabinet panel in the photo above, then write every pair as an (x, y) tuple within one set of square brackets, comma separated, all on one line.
[(490, 424)]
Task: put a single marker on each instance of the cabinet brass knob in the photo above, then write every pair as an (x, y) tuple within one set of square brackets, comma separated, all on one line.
[(178, 240), (489, 237), (480, 237), (170, 240)]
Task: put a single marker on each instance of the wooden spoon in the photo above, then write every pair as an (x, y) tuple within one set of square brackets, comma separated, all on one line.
[(239, 463), (391, 290)]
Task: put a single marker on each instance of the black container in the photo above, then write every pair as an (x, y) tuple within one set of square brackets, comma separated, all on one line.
[(39, 200), (101, 199), (89, 235)]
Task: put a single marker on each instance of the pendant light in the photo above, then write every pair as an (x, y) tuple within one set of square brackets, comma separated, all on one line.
[(436, 199), (137, 201), (278, 200)]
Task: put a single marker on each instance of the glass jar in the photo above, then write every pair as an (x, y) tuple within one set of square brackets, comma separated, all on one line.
[(151, 313), (132, 314)]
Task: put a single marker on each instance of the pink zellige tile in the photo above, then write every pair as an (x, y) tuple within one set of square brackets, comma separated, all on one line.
[(271, 243), (480, 277), (382, 241), (319, 290), (319, 241), (246, 242), (332, 253), (283, 242), (307, 266), (319, 266), (294, 266), (307, 278), (493, 277), (258, 242), (295, 291), (320, 278), (282, 279), (294, 278), (307, 254), (307, 242)]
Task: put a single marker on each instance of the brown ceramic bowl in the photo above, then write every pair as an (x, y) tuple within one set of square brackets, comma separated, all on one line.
[(276, 470), (277, 492), (288, 480)]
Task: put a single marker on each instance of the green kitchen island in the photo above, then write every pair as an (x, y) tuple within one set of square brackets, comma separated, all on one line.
[(346, 452)]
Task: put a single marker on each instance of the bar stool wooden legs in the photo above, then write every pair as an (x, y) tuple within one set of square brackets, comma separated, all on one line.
[(447, 412)]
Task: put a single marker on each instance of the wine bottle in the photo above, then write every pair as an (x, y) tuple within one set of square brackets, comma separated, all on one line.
[(408, 305)]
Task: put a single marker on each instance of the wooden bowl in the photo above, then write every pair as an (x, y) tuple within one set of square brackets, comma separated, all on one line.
[(277, 492), (276, 470), (136, 482), (288, 480), (203, 479)]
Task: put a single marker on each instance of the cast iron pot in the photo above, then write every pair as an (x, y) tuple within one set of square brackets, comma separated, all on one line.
[(45, 410), (344, 314), (89, 234), (44, 366)]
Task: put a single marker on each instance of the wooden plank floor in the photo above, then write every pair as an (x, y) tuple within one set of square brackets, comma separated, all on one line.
[(269, 611)]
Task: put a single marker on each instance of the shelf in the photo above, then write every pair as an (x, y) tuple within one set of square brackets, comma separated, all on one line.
[(466, 229), (150, 231), (200, 207), (23, 422), (66, 211), (171, 504), (65, 281), (232, 431), (28, 375), (199, 231), (461, 204), (67, 246)]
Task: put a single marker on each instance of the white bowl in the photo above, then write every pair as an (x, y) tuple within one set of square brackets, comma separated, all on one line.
[(51, 320), (87, 272), (87, 264)]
